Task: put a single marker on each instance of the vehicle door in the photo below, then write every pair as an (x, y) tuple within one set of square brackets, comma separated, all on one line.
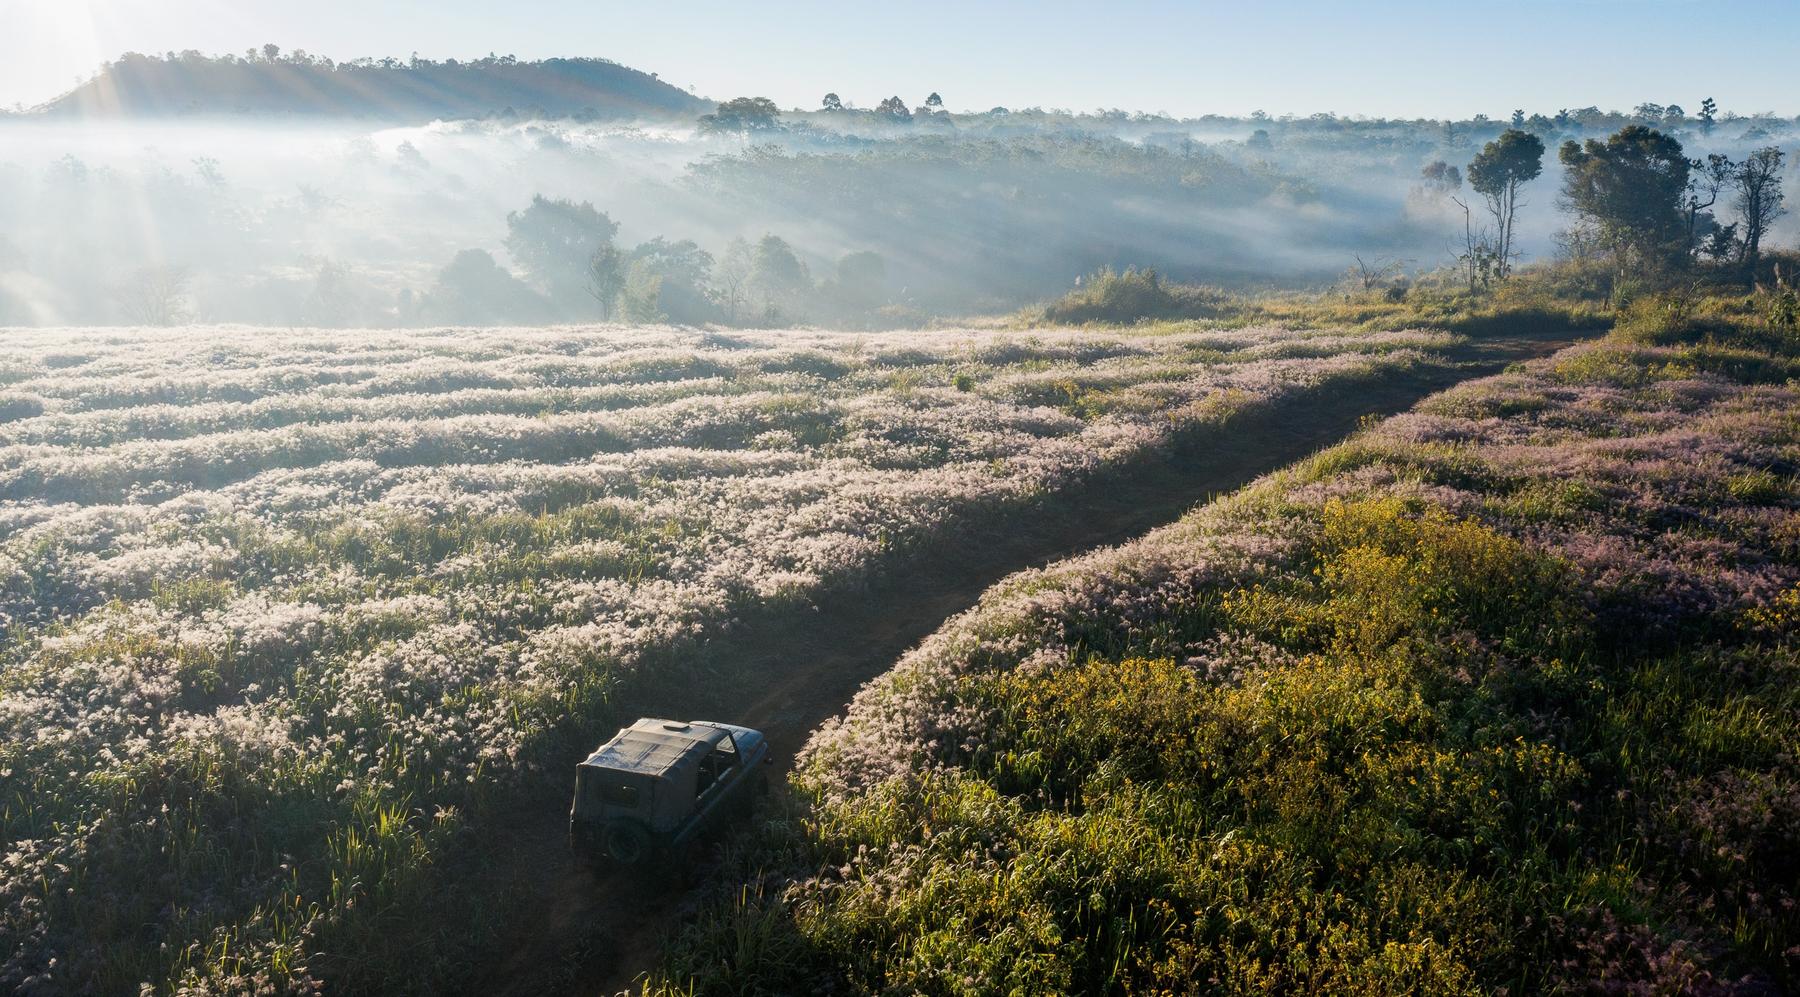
[(719, 771)]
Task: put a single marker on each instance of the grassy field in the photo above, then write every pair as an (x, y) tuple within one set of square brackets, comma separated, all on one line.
[(1498, 695), (293, 617)]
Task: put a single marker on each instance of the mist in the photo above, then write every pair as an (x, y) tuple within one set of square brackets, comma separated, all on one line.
[(339, 222)]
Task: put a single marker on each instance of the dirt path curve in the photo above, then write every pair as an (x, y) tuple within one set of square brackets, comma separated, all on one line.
[(588, 933)]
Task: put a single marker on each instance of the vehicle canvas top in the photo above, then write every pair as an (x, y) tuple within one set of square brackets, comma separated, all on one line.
[(656, 747)]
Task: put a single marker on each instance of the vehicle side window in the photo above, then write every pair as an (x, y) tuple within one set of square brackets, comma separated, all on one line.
[(618, 794), (715, 765)]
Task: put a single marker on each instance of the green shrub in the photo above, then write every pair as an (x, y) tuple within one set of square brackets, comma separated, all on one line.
[(1130, 297)]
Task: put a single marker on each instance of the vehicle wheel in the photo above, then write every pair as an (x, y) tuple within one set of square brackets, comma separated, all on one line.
[(627, 844)]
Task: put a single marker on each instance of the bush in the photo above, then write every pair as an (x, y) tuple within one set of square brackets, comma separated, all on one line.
[(1130, 297)]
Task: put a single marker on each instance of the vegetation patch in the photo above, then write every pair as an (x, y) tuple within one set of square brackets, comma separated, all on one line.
[(292, 619), (1528, 726)]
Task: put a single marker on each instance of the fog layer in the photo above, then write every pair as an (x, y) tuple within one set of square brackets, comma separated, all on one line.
[(321, 223)]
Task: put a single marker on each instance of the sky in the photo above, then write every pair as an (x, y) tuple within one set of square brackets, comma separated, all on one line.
[(1408, 59)]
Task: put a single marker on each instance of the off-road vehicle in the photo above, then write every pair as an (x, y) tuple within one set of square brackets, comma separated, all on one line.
[(658, 783)]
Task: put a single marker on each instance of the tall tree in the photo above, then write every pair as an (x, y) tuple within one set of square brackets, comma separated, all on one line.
[(1497, 173), (555, 240), (1632, 188), (832, 102), (1709, 109), (1758, 202)]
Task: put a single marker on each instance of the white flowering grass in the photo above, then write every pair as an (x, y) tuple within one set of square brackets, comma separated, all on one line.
[(285, 608)]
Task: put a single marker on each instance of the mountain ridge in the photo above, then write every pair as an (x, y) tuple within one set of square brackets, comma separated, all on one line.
[(190, 83)]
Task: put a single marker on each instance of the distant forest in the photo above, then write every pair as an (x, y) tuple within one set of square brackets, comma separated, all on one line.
[(268, 81)]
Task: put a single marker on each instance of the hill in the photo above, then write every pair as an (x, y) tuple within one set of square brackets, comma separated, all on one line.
[(299, 84)]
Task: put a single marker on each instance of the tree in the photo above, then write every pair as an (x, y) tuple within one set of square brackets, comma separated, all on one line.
[(1518, 117), (157, 295), (640, 299), (605, 277), (1376, 273), (1477, 256), (731, 279), (683, 271), (742, 115), (1497, 172), (1720, 244), (831, 103), (1440, 177), (861, 281), (271, 52), (476, 290), (1710, 176), (934, 101), (776, 275), (331, 302), (1631, 189), (895, 110), (555, 241), (1708, 110), (1758, 202)]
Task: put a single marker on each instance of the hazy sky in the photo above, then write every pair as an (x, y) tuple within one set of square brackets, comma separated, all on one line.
[(1407, 58)]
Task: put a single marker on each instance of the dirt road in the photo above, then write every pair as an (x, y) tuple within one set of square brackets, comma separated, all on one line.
[(592, 933)]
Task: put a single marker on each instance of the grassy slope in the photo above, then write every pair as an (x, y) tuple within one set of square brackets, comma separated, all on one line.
[(1499, 694)]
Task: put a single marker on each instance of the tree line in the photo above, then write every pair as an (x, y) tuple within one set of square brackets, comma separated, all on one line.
[(575, 269), (1639, 203), (743, 115)]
